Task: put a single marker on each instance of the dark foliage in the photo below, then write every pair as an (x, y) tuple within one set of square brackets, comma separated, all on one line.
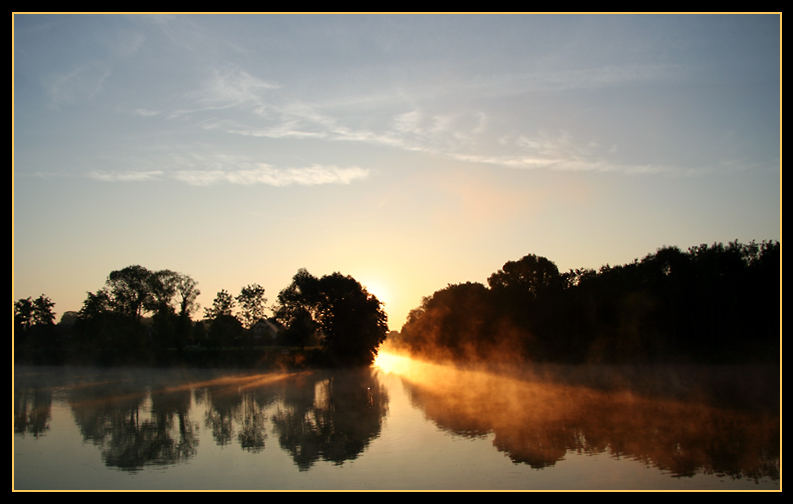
[(349, 321), (142, 317), (711, 304)]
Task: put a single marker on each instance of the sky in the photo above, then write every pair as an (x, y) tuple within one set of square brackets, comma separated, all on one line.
[(409, 151)]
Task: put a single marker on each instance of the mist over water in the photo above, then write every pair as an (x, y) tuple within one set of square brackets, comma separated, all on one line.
[(673, 419), (401, 424)]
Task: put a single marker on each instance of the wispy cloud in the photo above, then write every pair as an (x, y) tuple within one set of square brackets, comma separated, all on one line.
[(258, 174), (267, 175), (461, 137), (226, 88), (79, 84), (568, 79), (238, 103), (232, 87), (126, 176)]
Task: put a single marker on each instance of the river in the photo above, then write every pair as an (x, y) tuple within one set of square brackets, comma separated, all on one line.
[(400, 425)]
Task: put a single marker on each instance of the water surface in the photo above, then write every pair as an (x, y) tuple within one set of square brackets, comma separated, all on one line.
[(402, 426)]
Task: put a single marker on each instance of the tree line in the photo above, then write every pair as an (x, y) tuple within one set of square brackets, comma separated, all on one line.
[(717, 303), (141, 316), (709, 304)]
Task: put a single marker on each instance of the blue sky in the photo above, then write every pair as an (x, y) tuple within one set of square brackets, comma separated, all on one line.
[(410, 151)]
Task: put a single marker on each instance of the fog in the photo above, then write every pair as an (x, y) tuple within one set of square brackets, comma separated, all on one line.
[(681, 420)]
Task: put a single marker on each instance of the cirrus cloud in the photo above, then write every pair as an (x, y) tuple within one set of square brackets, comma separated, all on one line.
[(257, 174)]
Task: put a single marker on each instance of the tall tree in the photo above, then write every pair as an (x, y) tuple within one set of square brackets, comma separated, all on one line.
[(222, 305), (252, 304), (162, 289), (187, 293), (295, 311), (130, 290), (23, 313), (42, 311), (224, 328)]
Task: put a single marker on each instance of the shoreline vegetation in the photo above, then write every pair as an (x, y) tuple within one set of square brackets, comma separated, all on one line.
[(717, 304), (145, 318)]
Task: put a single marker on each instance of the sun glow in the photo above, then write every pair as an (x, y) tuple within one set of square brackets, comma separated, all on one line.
[(392, 363), (379, 291)]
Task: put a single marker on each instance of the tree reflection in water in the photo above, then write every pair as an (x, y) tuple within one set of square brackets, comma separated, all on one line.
[(538, 423), (32, 411), (32, 404), (143, 419), (239, 406), (132, 432), (331, 416)]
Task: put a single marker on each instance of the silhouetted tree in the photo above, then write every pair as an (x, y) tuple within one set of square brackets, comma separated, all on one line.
[(223, 304), (33, 312), (23, 314), (42, 311), (173, 300), (294, 309), (95, 304), (187, 292), (351, 319), (105, 335), (130, 290), (162, 289), (252, 304), (36, 338), (711, 304), (300, 328), (224, 328), (120, 305), (455, 322), (532, 275)]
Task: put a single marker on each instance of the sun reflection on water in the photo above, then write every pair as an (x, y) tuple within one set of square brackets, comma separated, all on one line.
[(537, 419), (392, 363)]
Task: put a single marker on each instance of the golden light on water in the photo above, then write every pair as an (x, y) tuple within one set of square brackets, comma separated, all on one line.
[(391, 363), (429, 373), (537, 419)]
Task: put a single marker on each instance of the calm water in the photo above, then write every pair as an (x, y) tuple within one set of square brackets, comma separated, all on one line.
[(404, 425)]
